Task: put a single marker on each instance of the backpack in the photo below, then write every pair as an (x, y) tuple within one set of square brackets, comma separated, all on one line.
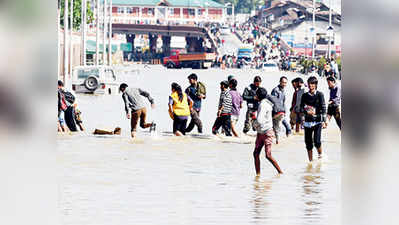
[(69, 97), (201, 89), (63, 105)]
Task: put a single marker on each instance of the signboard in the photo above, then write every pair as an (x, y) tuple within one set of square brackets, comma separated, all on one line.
[(302, 51), (338, 48)]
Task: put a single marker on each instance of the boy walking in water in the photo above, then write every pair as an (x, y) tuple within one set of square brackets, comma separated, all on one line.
[(224, 110), (237, 105), (313, 109), (134, 105), (264, 128)]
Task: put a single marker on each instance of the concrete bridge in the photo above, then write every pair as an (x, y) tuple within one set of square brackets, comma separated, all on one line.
[(195, 36)]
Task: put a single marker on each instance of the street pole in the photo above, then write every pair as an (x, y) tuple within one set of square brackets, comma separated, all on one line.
[(58, 36), (71, 41), (65, 41), (207, 11), (234, 18), (104, 30), (110, 34), (97, 32), (330, 33), (83, 30), (314, 29)]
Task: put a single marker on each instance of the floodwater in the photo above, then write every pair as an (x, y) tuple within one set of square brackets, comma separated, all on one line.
[(162, 179)]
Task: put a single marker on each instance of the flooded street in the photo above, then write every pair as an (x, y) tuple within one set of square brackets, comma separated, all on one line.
[(197, 179)]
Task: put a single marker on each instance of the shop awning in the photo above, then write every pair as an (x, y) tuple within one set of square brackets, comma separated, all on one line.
[(126, 47)]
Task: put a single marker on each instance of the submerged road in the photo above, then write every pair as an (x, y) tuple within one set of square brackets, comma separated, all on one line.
[(191, 180)]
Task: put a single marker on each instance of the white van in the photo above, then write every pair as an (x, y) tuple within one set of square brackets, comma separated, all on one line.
[(225, 30), (270, 66), (95, 80)]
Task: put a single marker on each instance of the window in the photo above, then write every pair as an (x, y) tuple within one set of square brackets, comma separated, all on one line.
[(171, 11), (85, 73), (191, 12), (201, 12), (129, 10), (121, 10)]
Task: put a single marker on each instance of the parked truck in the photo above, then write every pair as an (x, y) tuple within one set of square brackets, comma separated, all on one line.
[(178, 59)]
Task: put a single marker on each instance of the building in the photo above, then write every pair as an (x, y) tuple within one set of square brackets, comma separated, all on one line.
[(292, 19), (282, 13), (168, 11)]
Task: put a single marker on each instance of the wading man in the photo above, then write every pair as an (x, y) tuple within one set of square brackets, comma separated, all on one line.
[(196, 91), (224, 110), (279, 93), (264, 128), (313, 109), (334, 109), (249, 96), (135, 107)]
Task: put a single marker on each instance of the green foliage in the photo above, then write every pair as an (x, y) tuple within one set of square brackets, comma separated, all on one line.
[(339, 62), (77, 16), (245, 6), (322, 62)]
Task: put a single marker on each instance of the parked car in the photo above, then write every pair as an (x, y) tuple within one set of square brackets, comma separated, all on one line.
[(95, 80), (270, 66)]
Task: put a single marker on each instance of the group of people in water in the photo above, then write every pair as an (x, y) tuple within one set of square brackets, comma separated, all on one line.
[(265, 114)]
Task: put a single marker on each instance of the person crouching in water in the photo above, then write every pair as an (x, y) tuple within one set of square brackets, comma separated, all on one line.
[(180, 106), (224, 110), (313, 116), (134, 103), (264, 127)]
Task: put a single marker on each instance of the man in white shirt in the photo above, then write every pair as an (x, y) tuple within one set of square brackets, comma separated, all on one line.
[(264, 128)]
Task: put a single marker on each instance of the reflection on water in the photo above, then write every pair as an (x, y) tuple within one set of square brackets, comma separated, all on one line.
[(312, 195), (260, 199), (196, 179)]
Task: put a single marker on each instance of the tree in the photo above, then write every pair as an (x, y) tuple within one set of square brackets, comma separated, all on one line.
[(244, 6), (77, 16), (322, 62)]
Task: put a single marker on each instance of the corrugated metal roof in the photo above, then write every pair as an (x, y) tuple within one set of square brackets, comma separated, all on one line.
[(177, 3)]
